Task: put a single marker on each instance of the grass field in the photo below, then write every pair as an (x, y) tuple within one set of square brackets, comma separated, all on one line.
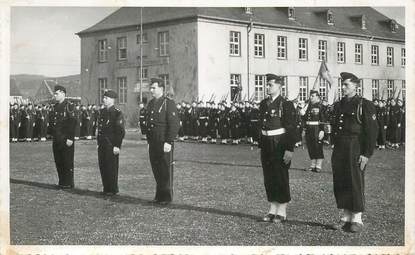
[(218, 198)]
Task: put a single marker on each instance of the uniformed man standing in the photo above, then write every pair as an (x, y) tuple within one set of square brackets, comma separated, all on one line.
[(142, 119), (277, 139), (162, 129), (354, 132), (63, 130), (111, 132), (314, 120)]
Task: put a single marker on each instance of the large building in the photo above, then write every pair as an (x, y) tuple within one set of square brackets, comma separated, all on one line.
[(205, 53)]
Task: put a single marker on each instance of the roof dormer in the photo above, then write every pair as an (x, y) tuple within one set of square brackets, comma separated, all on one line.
[(330, 18), (291, 13), (363, 22), (248, 10), (393, 25)]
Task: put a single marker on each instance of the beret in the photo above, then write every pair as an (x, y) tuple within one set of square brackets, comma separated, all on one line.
[(110, 93), (278, 79), (60, 88), (345, 76)]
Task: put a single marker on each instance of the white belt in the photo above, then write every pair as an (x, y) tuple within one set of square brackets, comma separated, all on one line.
[(273, 132), (313, 123), (203, 118)]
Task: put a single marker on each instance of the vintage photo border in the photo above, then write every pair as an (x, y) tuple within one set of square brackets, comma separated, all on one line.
[(5, 33)]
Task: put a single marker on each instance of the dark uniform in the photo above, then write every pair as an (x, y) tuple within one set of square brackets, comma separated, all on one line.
[(382, 115), (162, 127), (63, 129), (111, 132), (354, 133), (314, 120), (277, 122), (142, 120)]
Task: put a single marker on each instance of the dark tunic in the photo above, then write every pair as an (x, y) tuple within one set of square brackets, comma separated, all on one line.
[(354, 132), (382, 116), (111, 132), (276, 115), (314, 120), (63, 129), (162, 127)]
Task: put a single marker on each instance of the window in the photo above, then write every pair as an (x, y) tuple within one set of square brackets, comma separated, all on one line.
[(363, 22), (389, 56), (393, 26), (391, 88), (291, 13), (248, 10), (284, 90), (259, 45), (375, 54), (358, 53), (302, 49), (102, 51), (122, 48), (403, 89), (259, 87), (403, 57), (282, 47), (323, 88), (339, 88), (303, 88), (322, 50), (359, 89), (330, 18), (103, 85), (163, 43), (145, 38), (145, 73), (122, 90), (375, 89), (235, 43), (235, 82), (341, 49)]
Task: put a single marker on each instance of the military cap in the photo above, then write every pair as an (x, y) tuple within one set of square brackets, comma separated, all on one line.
[(60, 88), (157, 80), (345, 76), (278, 79), (110, 93), (313, 91)]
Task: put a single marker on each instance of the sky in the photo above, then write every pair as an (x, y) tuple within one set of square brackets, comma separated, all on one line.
[(43, 39)]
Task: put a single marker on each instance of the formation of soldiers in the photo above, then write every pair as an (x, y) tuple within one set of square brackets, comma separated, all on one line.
[(32, 122), (237, 122)]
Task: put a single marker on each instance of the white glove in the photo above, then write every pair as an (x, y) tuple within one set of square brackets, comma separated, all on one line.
[(167, 147), (116, 150)]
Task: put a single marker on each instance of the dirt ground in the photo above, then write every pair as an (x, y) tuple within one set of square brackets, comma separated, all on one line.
[(218, 199)]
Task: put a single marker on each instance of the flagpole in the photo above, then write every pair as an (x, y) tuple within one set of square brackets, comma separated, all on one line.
[(141, 54)]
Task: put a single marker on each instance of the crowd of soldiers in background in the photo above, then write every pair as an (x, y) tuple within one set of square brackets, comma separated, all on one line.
[(33, 122), (237, 122), (206, 122)]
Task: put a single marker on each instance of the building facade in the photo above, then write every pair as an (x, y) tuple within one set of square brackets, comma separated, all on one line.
[(210, 53)]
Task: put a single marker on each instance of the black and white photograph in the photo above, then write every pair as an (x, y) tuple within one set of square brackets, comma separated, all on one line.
[(206, 128)]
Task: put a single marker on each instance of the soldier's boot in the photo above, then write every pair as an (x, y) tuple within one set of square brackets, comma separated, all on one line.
[(312, 165), (319, 164), (89, 137), (356, 223), (224, 141), (28, 139), (213, 140), (76, 138)]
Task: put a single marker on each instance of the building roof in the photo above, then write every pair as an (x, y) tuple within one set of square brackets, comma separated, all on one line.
[(347, 19)]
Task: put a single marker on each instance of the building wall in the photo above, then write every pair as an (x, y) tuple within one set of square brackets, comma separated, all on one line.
[(216, 64), (180, 65)]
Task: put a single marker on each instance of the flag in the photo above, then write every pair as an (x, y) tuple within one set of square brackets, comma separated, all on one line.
[(324, 73)]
